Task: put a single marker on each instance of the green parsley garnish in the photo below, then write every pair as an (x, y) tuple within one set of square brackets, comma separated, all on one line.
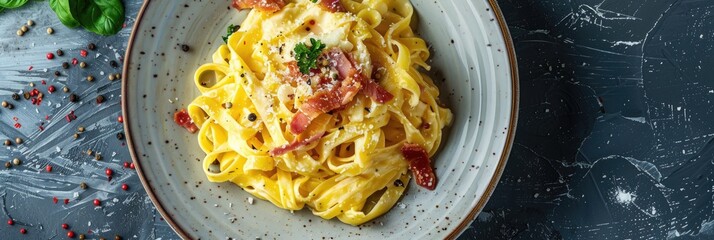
[(230, 30), (314, 1), (307, 56)]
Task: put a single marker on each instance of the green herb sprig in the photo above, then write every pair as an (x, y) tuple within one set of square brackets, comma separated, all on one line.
[(307, 56), (230, 30)]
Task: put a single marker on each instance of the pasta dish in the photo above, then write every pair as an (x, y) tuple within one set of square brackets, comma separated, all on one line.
[(321, 104)]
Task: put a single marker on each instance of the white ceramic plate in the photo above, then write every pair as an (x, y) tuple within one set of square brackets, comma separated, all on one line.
[(476, 72)]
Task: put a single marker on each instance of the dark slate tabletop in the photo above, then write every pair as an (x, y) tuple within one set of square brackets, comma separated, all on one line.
[(614, 137)]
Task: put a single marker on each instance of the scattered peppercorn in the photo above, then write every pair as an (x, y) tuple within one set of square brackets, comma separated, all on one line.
[(80, 129), (50, 56), (82, 237), (113, 64), (124, 187), (24, 29), (109, 172), (76, 135), (117, 76), (228, 105), (83, 53), (89, 152), (20, 33), (8, 165), (18, 140), (57, 74), (90, 78), (15, 96), (82, 64), (30, 23), (70, 234), (252, 117), (10, 222), (100, 99), (111, 77), (8, 142), (65, 89), (60, 52), (32, 84), (26, 95), (4, 104), (120, 136), (65, 65), (96, 202), (98, 157), (23, 231), (48, 168), (131, 165), (83, 185), (117, 237), (101, 238), (126, 164), (65, 226), (16, 161), (91, 46), (120, 119), (72, 97), (185, 48), (10, 106)]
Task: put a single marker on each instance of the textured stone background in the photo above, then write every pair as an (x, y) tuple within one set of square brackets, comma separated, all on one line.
[(614, 138)]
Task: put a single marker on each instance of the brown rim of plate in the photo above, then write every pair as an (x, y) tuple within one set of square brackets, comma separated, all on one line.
[(510, 49), (129, 141), (453, 235)]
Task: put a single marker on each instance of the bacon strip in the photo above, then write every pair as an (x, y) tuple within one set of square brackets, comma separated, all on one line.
[(182, 119), (294, 145), (419, 165), (376, 92), (351, 82), (262, 5), (333, 5)]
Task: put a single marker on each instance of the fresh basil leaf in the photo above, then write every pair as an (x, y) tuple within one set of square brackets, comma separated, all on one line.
[(12, 3), (61, 8), (103, 17)]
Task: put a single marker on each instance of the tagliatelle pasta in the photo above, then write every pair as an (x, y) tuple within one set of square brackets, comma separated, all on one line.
[(319, 105)]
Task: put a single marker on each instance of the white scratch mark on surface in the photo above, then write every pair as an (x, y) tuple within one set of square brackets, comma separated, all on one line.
[(624, 197)]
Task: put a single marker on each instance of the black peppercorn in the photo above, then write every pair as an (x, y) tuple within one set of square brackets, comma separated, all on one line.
[(60, 52), (65, 65), (252, 117), (15, 96), (26, 95), (398, 183), (100, 99), (91, 46), (73, 97), (113, 64), (57, 73), (185, 48), (120, 136)]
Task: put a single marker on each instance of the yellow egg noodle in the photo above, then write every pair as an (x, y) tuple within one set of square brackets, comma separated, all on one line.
[(352, 172)]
